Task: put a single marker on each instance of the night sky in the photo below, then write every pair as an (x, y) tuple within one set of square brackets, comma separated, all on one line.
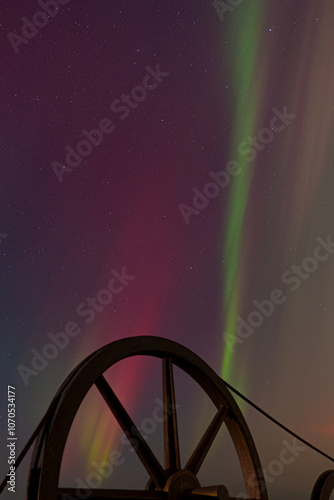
[(206, 201)]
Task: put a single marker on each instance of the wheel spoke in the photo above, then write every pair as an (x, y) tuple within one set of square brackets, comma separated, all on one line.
[(133, 434), (197, 458), (100, 494), (171, 437)]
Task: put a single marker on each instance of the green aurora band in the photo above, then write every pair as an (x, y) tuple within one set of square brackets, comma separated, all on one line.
[(245, 39)]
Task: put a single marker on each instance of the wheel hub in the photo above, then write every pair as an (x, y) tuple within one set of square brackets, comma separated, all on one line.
[(180, 485)]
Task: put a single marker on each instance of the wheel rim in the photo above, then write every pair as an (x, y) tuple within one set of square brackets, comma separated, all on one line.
[(324, 486), (170, 479)]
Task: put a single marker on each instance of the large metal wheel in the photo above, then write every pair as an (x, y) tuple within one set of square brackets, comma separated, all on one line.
[(170, 480), (324, 486)]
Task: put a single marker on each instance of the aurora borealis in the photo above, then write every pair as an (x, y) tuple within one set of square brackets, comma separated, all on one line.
[(110, 238), (245, 69)]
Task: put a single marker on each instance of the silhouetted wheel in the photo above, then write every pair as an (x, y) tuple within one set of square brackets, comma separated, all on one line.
[(324, 486), (169, 480)]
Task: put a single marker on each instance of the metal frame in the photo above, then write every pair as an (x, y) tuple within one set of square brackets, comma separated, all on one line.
[(49, 448), (168, 481)]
